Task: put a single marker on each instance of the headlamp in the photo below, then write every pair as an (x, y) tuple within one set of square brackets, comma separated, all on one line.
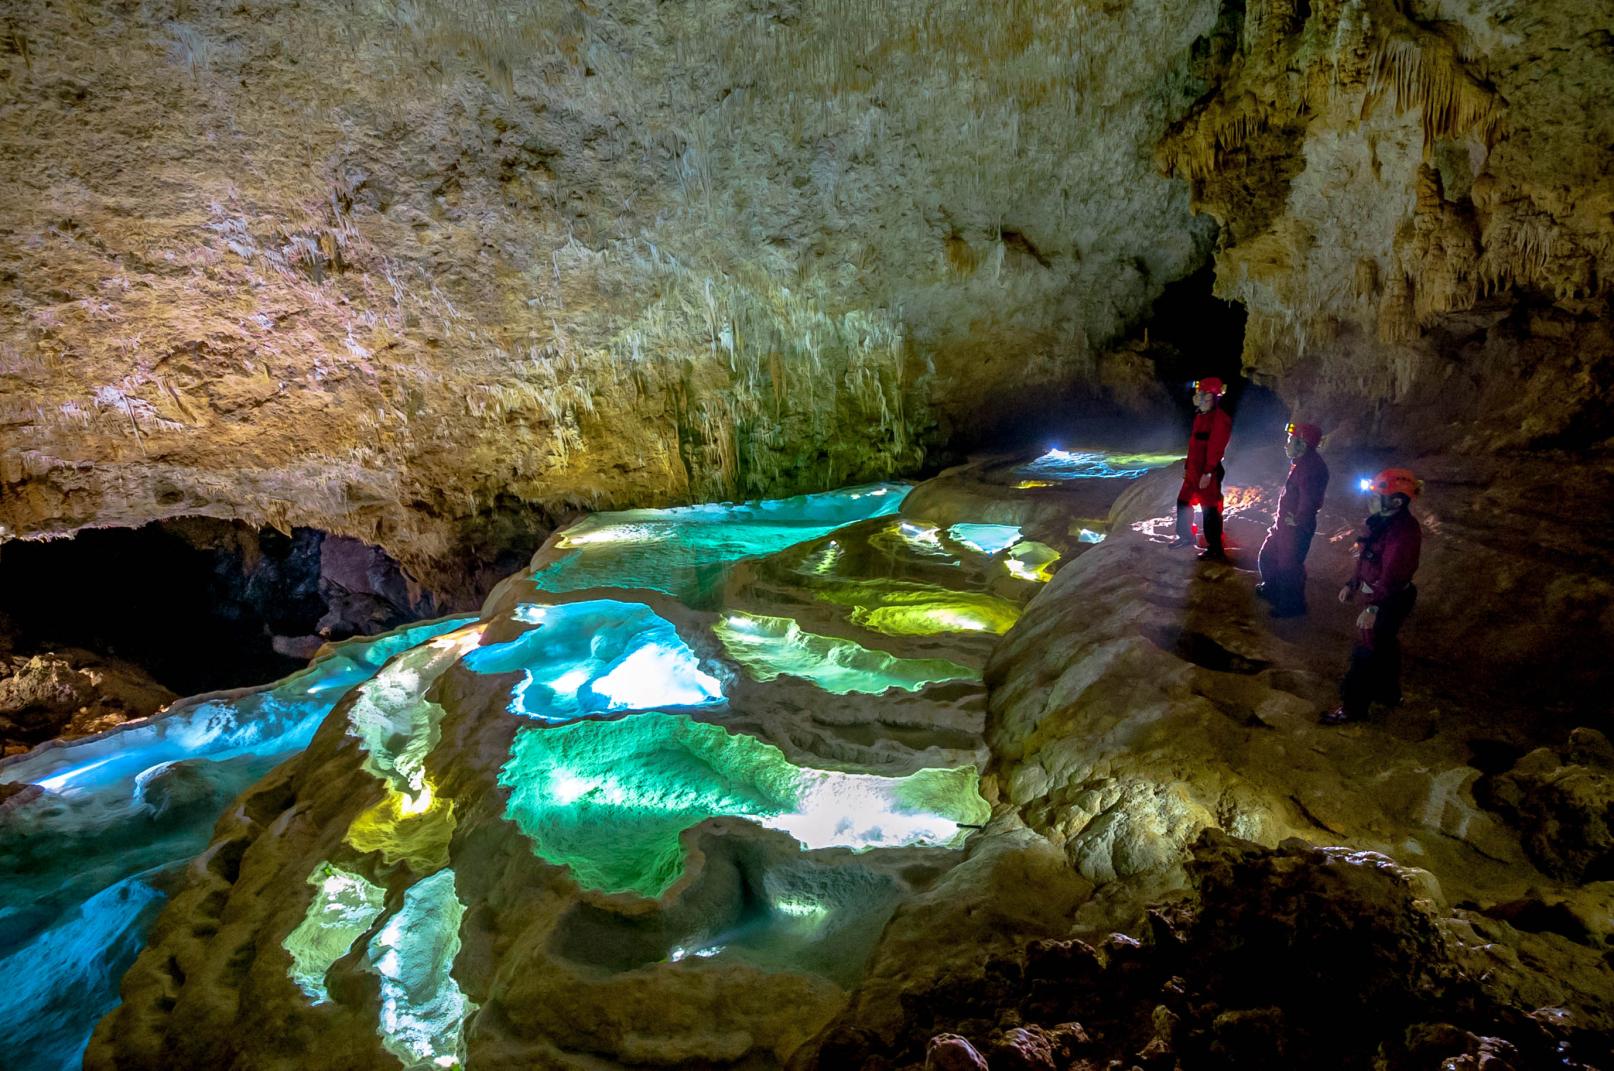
[(1365, 484)]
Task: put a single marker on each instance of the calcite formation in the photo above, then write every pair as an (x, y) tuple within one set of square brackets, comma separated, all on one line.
[(434, 275), (1414, 208), (686, 827), (725, 815)]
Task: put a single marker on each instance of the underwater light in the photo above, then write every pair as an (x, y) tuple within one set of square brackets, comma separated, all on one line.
[(616, 533), (770, 647), (986, 538), (799, 908), (60, 781), (344, 906), (923, 534), (656, 675), (610, 800), (418, 802), (423, 1009)]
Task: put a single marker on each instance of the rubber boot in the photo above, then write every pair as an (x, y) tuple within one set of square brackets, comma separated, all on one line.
[(1213, 535), (1185, 526)]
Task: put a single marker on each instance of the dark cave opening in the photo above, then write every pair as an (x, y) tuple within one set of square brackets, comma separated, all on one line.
[(201, 604), (1142, 400)]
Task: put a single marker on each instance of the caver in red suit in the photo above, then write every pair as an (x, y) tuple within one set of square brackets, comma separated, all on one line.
[(1203, 472), (1388, 557), (1283, 555)]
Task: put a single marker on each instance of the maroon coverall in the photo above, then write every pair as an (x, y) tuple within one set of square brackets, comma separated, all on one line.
[(1283, 555), (1206, 444), (1389, 556)]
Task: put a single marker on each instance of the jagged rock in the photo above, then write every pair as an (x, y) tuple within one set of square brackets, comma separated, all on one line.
[(1026, 1049), (1563, 801), (72, 693), (949, 1052), (1403, 199), (1289, 957)]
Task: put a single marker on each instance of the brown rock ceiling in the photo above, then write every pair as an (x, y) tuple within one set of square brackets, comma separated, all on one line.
[(433, 275)]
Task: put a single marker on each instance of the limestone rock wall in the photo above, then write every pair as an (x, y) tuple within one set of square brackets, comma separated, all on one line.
[(432, 275), (1416, 212)]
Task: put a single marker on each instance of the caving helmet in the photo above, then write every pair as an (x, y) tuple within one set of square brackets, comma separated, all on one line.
[(1210, 385), (1397, 482), (1310, 434)]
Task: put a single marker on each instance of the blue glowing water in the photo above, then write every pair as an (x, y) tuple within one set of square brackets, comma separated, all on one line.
[(986, 538), (598, 657), (684, 552), (56, 985), (84, 866)]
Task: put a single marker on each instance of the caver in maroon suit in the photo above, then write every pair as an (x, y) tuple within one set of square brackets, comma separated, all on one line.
[(1390, 548), (1207, 442), (1283, 555)]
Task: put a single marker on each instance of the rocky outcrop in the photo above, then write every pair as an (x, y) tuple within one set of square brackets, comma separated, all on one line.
[(1415, 212), (70, 693), (1563, 799), (434, 276), (1292, 956)]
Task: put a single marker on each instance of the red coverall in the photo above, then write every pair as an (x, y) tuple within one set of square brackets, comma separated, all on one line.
[(1206, 444), (1388, 558), (1283, 555)]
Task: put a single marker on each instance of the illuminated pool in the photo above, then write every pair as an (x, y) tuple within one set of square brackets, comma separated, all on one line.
[(769, 647), (585, 659), (986, 538), (83, 867), (908, 608), (344, 907), (1058, 465), (422, 1008), (609, 766), (609, 799), (684, 551)]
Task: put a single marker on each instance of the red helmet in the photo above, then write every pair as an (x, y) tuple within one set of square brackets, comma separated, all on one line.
[(1397, 482), (1210, 385), (1310, 434)]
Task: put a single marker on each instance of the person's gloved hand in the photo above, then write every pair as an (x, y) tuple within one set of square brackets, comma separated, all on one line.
[(1366, 619), (1204, 481), (1346, 592)]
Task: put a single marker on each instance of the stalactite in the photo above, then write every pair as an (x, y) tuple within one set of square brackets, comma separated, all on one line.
[(1425, 72)]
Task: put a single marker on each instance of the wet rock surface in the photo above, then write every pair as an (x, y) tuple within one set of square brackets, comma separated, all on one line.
[(1275, 957), (1177, 866)]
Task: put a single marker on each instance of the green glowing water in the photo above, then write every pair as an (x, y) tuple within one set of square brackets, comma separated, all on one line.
[(609, 799), (769, 647), (908, 608), (423, 1009), (345, 905)]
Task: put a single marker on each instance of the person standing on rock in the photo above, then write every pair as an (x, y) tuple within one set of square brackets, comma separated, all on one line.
[(1203, 472), (1283, 555), (1385, 564)]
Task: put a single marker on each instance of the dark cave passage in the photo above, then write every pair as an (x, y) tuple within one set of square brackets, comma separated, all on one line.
[(198, 603)]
